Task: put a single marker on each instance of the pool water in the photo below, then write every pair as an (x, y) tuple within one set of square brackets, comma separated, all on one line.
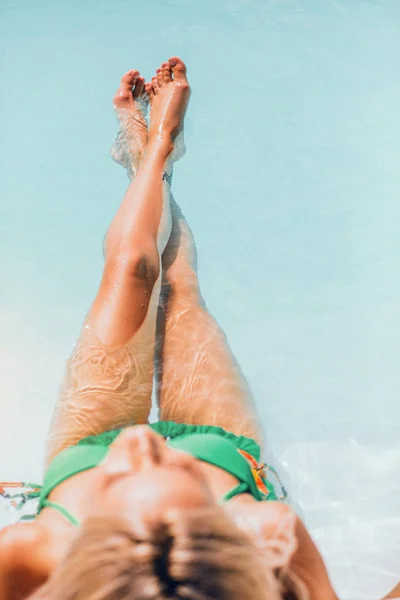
[(291, 186)]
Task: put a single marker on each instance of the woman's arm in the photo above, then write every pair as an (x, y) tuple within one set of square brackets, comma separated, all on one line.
[(394, 593), (307, 563), (21, 568), (7, 559)]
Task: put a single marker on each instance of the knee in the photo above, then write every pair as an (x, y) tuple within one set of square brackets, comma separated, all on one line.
[(142, 265)]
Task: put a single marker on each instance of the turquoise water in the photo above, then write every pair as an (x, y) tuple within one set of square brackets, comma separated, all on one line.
[(291, 186)]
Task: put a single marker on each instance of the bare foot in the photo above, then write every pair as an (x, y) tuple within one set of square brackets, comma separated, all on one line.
[(130, 104), (169, 94)]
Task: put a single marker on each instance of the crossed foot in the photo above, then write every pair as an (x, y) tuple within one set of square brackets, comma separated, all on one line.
[(168, 95)]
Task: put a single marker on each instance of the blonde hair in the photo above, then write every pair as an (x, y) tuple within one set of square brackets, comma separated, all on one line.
[(190, 555)]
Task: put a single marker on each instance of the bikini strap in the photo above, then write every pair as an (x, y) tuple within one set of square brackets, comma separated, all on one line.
[(238, 489), (34, 492), (260, 474), (23, 497), (61, 510)]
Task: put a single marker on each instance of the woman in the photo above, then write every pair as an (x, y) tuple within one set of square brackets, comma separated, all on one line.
[(174, 509)]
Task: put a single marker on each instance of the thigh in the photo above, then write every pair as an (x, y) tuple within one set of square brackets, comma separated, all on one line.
[(106, 385), (201, 381)]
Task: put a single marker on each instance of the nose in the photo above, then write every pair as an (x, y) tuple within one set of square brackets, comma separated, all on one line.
[(135, 447), (145, 444)]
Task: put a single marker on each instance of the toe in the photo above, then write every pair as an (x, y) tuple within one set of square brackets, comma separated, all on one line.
[(155, 85), (123, 95), (166, 72), (178, 68), (159, 77), (149, 90), (129, 79), (138, 87)]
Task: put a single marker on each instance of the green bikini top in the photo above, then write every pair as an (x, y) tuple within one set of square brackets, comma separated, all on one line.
[(208, 447), (237, 455)]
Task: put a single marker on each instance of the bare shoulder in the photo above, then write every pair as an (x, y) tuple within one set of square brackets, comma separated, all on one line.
[(266, 521), (14, 539), (20, 568), (275, 520), (266, 516)]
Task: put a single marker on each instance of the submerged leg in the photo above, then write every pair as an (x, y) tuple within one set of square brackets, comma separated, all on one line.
[(198, 378), (108, 382)]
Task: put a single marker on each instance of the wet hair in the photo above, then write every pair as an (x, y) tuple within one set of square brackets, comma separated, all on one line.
[(190, 555)]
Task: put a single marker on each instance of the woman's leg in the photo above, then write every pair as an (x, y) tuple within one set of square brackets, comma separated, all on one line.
[(198, 379), (108, 382)]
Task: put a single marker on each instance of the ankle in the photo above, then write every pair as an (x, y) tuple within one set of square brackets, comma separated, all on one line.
[(160, 142)]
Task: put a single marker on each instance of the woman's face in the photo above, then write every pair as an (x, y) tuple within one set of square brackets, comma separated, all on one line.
[(141, 477)]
